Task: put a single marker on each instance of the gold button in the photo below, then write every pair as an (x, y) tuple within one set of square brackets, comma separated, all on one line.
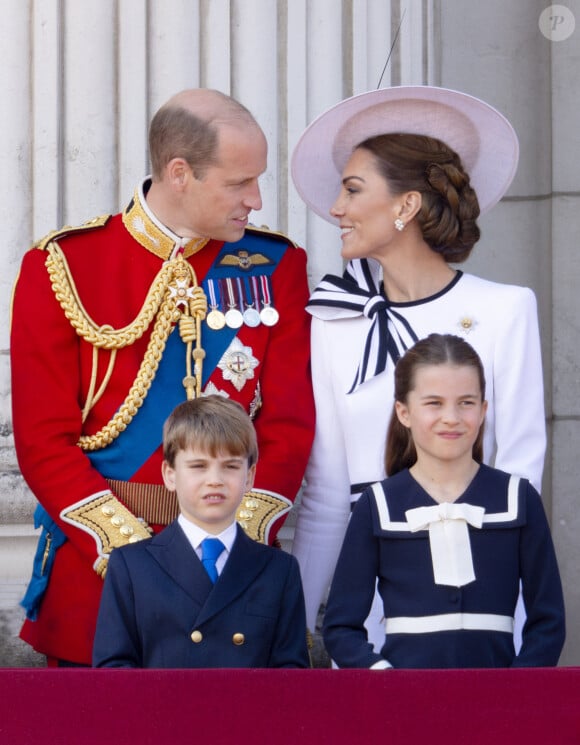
[(196, 636), (117, 520), (126, 530), (108, 510), (238, 639)]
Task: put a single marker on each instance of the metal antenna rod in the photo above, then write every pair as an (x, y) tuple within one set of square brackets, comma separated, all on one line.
[(391, 49)]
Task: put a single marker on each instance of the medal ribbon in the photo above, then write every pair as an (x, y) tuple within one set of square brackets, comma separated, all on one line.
[(213, 301), (232, 300), (266, 290), (240, 289)]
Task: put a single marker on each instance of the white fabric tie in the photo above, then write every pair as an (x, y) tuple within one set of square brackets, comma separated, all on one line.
[(449, 539)]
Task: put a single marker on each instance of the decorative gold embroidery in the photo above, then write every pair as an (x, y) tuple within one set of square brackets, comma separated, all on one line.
[(155, 238), (109, 521), (244, 260), (273, 233), (258, 512), (96, 222), (161, 304)]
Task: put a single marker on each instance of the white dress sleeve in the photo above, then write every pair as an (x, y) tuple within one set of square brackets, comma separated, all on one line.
[(325, 507), (520, 425)]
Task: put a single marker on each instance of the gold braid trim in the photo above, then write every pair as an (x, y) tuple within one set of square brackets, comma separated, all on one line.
[(109, 523), (140, 387), (174, 285), (258, 512), (105, 337)]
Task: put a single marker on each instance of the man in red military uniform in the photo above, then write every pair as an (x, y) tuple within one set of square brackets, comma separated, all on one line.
[(116, 322)]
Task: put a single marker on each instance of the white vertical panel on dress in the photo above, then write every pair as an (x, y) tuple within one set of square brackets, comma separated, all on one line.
[(90, 156), (132, 97)]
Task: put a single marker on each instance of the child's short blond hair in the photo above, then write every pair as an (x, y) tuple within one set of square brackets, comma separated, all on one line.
[(211, 423)]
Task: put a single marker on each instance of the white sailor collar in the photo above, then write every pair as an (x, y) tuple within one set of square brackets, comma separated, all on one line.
[(505, 511)]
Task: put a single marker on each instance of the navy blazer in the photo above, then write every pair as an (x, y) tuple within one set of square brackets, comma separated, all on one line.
[(159, 608)]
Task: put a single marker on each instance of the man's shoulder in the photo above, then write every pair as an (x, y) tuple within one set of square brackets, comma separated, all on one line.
[(95, 223), (266, 233)]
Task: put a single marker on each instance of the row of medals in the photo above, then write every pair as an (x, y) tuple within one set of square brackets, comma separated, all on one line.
[(234, 318)]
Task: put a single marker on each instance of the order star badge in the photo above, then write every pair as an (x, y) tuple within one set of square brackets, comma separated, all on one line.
[(238, 364), (182, 291)]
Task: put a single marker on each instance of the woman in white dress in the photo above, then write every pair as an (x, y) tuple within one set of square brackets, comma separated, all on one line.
[(405, 172)]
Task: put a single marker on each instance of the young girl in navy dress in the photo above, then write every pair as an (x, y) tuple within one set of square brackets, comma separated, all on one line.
[(447, 538)]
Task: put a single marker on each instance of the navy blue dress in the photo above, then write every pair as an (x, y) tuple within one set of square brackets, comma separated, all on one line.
[(432, 625)]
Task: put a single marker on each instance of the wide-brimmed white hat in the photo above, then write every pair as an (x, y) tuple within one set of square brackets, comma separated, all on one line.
[(482, 137)]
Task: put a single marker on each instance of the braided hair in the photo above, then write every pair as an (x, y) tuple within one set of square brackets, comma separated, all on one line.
[(449, 205)]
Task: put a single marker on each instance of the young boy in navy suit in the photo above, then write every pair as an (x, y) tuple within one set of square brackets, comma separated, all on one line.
[(179, 601)]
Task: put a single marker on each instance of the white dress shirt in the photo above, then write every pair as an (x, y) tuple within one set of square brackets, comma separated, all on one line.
[(195, 535)]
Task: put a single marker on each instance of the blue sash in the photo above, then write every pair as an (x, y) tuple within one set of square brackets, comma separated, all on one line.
[(135, 445)]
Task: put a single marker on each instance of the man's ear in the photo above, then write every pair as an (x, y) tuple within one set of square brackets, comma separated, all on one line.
[(168, 474), (178, 173)]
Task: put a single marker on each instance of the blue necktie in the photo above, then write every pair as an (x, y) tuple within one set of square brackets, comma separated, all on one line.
[(211, 548)]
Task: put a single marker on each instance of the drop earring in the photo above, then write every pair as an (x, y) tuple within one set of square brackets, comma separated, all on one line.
[(399, 224)]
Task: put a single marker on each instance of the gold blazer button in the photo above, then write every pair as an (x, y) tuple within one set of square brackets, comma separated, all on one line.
[(196, 636), (238, 639)]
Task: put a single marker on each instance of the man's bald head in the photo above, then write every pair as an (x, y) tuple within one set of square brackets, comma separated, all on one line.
[(187, 127)]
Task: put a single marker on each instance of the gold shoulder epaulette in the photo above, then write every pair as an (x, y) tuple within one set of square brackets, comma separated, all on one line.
[(96, 222), (265, 230)]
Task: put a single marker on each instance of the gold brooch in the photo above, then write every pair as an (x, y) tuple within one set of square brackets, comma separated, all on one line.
[(466, 324)]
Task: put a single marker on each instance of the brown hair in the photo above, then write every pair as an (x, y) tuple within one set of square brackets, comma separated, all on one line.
[(177, 132), (449, 208), (214, 424), (435, 349)]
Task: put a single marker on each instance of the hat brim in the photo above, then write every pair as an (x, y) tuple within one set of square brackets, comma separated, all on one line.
[(482, 137)]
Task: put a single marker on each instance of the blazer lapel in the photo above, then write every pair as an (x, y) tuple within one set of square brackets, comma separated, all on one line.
[(174, 553), (246, 561)]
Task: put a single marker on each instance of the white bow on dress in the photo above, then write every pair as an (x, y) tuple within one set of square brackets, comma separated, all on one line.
[(449, 539)]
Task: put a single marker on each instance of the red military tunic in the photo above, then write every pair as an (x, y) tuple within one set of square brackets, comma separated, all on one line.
[(93, 283)]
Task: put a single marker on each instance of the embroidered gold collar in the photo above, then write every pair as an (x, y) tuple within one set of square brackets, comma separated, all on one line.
[(153, 235)]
